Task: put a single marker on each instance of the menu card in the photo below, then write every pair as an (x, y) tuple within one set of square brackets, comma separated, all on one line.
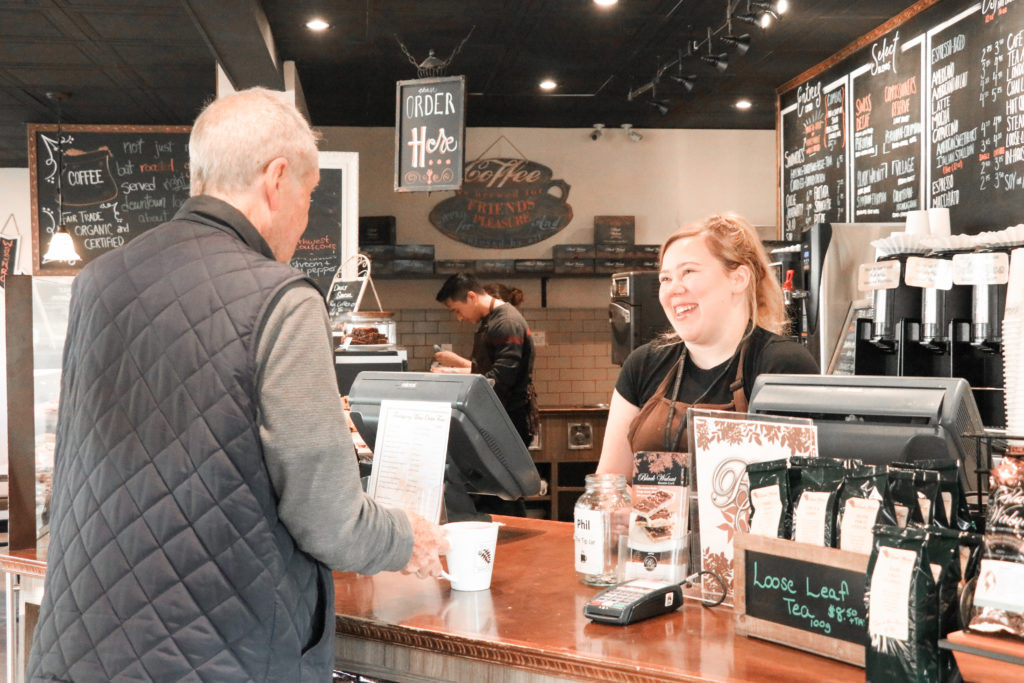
[(409, 456)]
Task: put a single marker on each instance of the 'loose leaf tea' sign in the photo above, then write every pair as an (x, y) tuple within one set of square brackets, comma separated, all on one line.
[(801, 595), (430, 127)]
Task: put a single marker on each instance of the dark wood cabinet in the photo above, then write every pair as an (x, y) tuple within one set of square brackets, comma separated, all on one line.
[(566, 451)]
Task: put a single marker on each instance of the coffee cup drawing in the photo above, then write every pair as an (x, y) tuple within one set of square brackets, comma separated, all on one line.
[(470, 556), (504, 203)]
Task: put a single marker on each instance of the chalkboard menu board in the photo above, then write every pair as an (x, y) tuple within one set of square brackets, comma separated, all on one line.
[(318, 253), (815, 157), (887, 130), (119, 181), (116, 182), (430, 131), (935, 118), (343, 297)]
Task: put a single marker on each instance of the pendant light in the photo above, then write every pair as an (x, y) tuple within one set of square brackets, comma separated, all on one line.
[(62, 247)]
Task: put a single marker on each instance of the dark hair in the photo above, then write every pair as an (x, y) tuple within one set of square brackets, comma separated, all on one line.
[(456, 287), (511, 295)]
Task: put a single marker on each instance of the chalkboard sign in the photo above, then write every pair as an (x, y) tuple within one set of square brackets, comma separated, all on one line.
[(344, 297), (8, 257), (805, 596), (430, 131), (318, 253), (815, 157), (116, 182), (935, 119), (887, 130)]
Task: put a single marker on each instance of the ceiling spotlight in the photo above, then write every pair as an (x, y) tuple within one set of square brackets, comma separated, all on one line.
[(741, 43), (605, 3), (633, 135), (317, 24), (661, 105), (766, 13), (781, 6), (548, 84), (685, 81), (596, 133), (719, 61), (743, 104)]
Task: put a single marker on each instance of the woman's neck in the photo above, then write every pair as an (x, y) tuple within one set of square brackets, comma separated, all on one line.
[(709, 355)]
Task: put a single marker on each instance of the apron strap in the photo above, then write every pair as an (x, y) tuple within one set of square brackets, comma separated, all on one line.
[(739, 398)]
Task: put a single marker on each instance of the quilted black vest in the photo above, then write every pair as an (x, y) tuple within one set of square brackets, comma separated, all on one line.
[(167, 560)]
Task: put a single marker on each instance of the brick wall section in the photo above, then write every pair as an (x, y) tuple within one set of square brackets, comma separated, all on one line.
[(574, 368)]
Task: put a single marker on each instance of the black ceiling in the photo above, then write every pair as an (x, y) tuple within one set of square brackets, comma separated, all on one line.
[(152, 61)]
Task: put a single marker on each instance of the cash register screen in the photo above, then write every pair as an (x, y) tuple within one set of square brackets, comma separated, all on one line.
[(882, 419), (485, 452)]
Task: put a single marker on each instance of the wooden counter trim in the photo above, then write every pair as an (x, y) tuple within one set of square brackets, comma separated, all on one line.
[(548, 662), (23, 563)]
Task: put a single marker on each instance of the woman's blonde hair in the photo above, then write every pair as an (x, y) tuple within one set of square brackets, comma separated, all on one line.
[(734, 242)]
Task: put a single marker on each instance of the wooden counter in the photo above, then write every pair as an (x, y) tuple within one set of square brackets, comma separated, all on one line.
[(530, 627)]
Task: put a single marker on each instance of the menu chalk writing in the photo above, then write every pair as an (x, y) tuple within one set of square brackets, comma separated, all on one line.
[(808, 596), (8, 257), (108, 183), (815, 157), (935, 119), (343, 298), (318, 253), (887, 130), (430, 131)]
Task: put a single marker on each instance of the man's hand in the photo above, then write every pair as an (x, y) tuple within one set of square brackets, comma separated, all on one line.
[(428, 543), (452, 359)]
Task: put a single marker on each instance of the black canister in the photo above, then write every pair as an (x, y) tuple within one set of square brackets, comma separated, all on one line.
[(892, 306)]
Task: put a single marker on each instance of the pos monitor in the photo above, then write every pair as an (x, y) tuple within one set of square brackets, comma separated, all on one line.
[(485, 452), (882, 419)]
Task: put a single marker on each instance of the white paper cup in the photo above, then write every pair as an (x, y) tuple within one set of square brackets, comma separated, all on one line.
[(938, 222), (917, 222), (470, 555)]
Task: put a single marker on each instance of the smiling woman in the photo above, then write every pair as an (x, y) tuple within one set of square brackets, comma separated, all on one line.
[(727, 318)]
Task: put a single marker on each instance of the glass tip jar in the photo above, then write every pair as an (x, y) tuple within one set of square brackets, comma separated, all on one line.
[(601, 521)]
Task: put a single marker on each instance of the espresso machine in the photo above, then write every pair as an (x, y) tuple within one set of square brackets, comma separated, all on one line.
[(831, 255), (634, 313)]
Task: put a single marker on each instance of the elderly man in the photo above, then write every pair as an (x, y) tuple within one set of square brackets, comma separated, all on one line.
[(205, 482)]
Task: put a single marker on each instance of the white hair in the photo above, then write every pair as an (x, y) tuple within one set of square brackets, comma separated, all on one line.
[(236, 136)]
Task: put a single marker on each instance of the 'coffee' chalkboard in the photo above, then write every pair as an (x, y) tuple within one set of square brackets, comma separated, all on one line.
[(430, 130), (115, 183)]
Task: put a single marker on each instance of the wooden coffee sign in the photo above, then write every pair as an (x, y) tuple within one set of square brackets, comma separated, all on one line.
[(430, 130), (504, 204), (115, 183)]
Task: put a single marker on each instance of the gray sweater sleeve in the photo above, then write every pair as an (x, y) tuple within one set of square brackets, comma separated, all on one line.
[(308, 447)]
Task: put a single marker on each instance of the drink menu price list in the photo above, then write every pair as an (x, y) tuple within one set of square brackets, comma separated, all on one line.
[(814, 169), (976, 112), (887, 135)]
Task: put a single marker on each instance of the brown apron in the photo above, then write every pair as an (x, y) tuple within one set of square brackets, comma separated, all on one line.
[(661, 424)]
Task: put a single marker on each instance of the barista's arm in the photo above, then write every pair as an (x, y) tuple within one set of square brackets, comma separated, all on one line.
[(616, 454)]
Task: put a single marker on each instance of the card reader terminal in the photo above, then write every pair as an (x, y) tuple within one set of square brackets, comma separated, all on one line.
[(634, 601)]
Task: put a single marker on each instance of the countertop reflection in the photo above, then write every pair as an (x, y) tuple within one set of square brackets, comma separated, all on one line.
[(533, 613)]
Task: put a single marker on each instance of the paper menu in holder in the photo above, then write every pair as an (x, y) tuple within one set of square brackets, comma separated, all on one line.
[(409, 456)]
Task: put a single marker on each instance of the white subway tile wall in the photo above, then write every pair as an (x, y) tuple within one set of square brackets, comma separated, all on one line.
[(573, 369)]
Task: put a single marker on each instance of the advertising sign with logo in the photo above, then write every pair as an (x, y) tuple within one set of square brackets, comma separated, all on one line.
[(504, 203), (430, 128)]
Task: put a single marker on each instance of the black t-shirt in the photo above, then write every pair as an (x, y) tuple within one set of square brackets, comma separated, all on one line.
[(503, 352), (647, 366)]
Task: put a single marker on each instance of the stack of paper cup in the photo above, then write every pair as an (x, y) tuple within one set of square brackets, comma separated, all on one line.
[(917, 222), (938, 222), (1013, 348)]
